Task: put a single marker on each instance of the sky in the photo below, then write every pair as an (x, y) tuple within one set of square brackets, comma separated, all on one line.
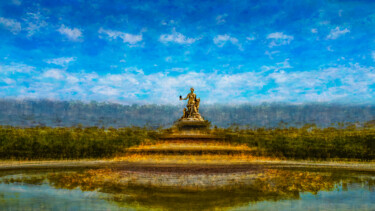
[(151, 52)]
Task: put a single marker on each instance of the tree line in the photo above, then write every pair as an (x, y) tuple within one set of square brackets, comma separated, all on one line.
[(32, 113)]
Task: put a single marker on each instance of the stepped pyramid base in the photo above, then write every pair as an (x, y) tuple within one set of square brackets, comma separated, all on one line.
[(190, 142)]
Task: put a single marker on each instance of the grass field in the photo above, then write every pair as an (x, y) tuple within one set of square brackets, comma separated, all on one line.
[(306, 143)]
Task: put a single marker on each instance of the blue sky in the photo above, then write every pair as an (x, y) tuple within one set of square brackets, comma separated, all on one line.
[(153, 51)]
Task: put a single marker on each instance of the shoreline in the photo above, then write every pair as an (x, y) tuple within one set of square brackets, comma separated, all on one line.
[(103, 163)]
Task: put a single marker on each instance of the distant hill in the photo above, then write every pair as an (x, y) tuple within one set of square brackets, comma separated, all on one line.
[(28, 113)]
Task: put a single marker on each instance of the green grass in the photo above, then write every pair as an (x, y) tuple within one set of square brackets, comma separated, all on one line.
[(68, 143), (308, 142)]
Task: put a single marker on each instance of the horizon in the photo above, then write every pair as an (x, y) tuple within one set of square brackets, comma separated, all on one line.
[(32, 113), (183, 103), (236, 52)]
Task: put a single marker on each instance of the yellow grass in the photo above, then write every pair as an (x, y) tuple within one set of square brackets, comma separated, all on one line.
[(193, 159), (161, 158), (193, 145)]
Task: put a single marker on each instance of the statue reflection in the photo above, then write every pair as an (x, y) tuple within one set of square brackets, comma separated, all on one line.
[(180, 191)]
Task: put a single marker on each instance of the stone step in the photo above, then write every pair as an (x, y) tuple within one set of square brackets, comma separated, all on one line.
[(189, 152), (191, 148), (191, 137)]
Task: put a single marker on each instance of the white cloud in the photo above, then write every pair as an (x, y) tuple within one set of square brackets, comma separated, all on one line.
[(171, 22), (221, 40), (72, 79), (234, 82), (324, 23), (279, 38), (279, 35), (331, 84), (336, 32), (317, 85), (220, 19), (89, 76), (73, 34), (17, 2), (11, 24), (178, 69), (280, 66), (250, 38), (176, 37), (62, 61), (133, 70), (16, 68), (269, 54), (314, 30), (126, 37), (280, 76), (284, 65), (9, 81), (106, 90), (54, 73), (34, 21), (168, 59)]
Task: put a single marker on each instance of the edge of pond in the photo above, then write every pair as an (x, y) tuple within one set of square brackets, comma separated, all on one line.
[(141, 166)]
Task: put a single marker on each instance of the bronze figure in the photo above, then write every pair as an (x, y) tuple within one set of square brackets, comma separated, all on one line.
[(192, 111)]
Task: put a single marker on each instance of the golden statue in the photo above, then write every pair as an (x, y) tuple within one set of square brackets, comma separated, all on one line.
[(192, 111)]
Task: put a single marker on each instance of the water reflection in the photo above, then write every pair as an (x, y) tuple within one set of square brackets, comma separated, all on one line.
[(197, 191)]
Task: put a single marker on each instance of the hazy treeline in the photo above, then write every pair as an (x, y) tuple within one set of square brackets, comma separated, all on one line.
[(29, 113)]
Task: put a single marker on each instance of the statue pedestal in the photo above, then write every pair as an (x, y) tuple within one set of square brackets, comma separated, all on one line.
[(192, 125), (190, 130)]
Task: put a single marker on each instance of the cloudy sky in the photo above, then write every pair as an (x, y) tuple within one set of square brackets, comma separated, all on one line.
[(153, 51)]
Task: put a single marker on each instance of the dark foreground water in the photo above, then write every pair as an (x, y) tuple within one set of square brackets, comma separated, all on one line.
[(253, 189)]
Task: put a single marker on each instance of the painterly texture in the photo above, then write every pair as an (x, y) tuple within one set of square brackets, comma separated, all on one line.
[(151, 51)]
